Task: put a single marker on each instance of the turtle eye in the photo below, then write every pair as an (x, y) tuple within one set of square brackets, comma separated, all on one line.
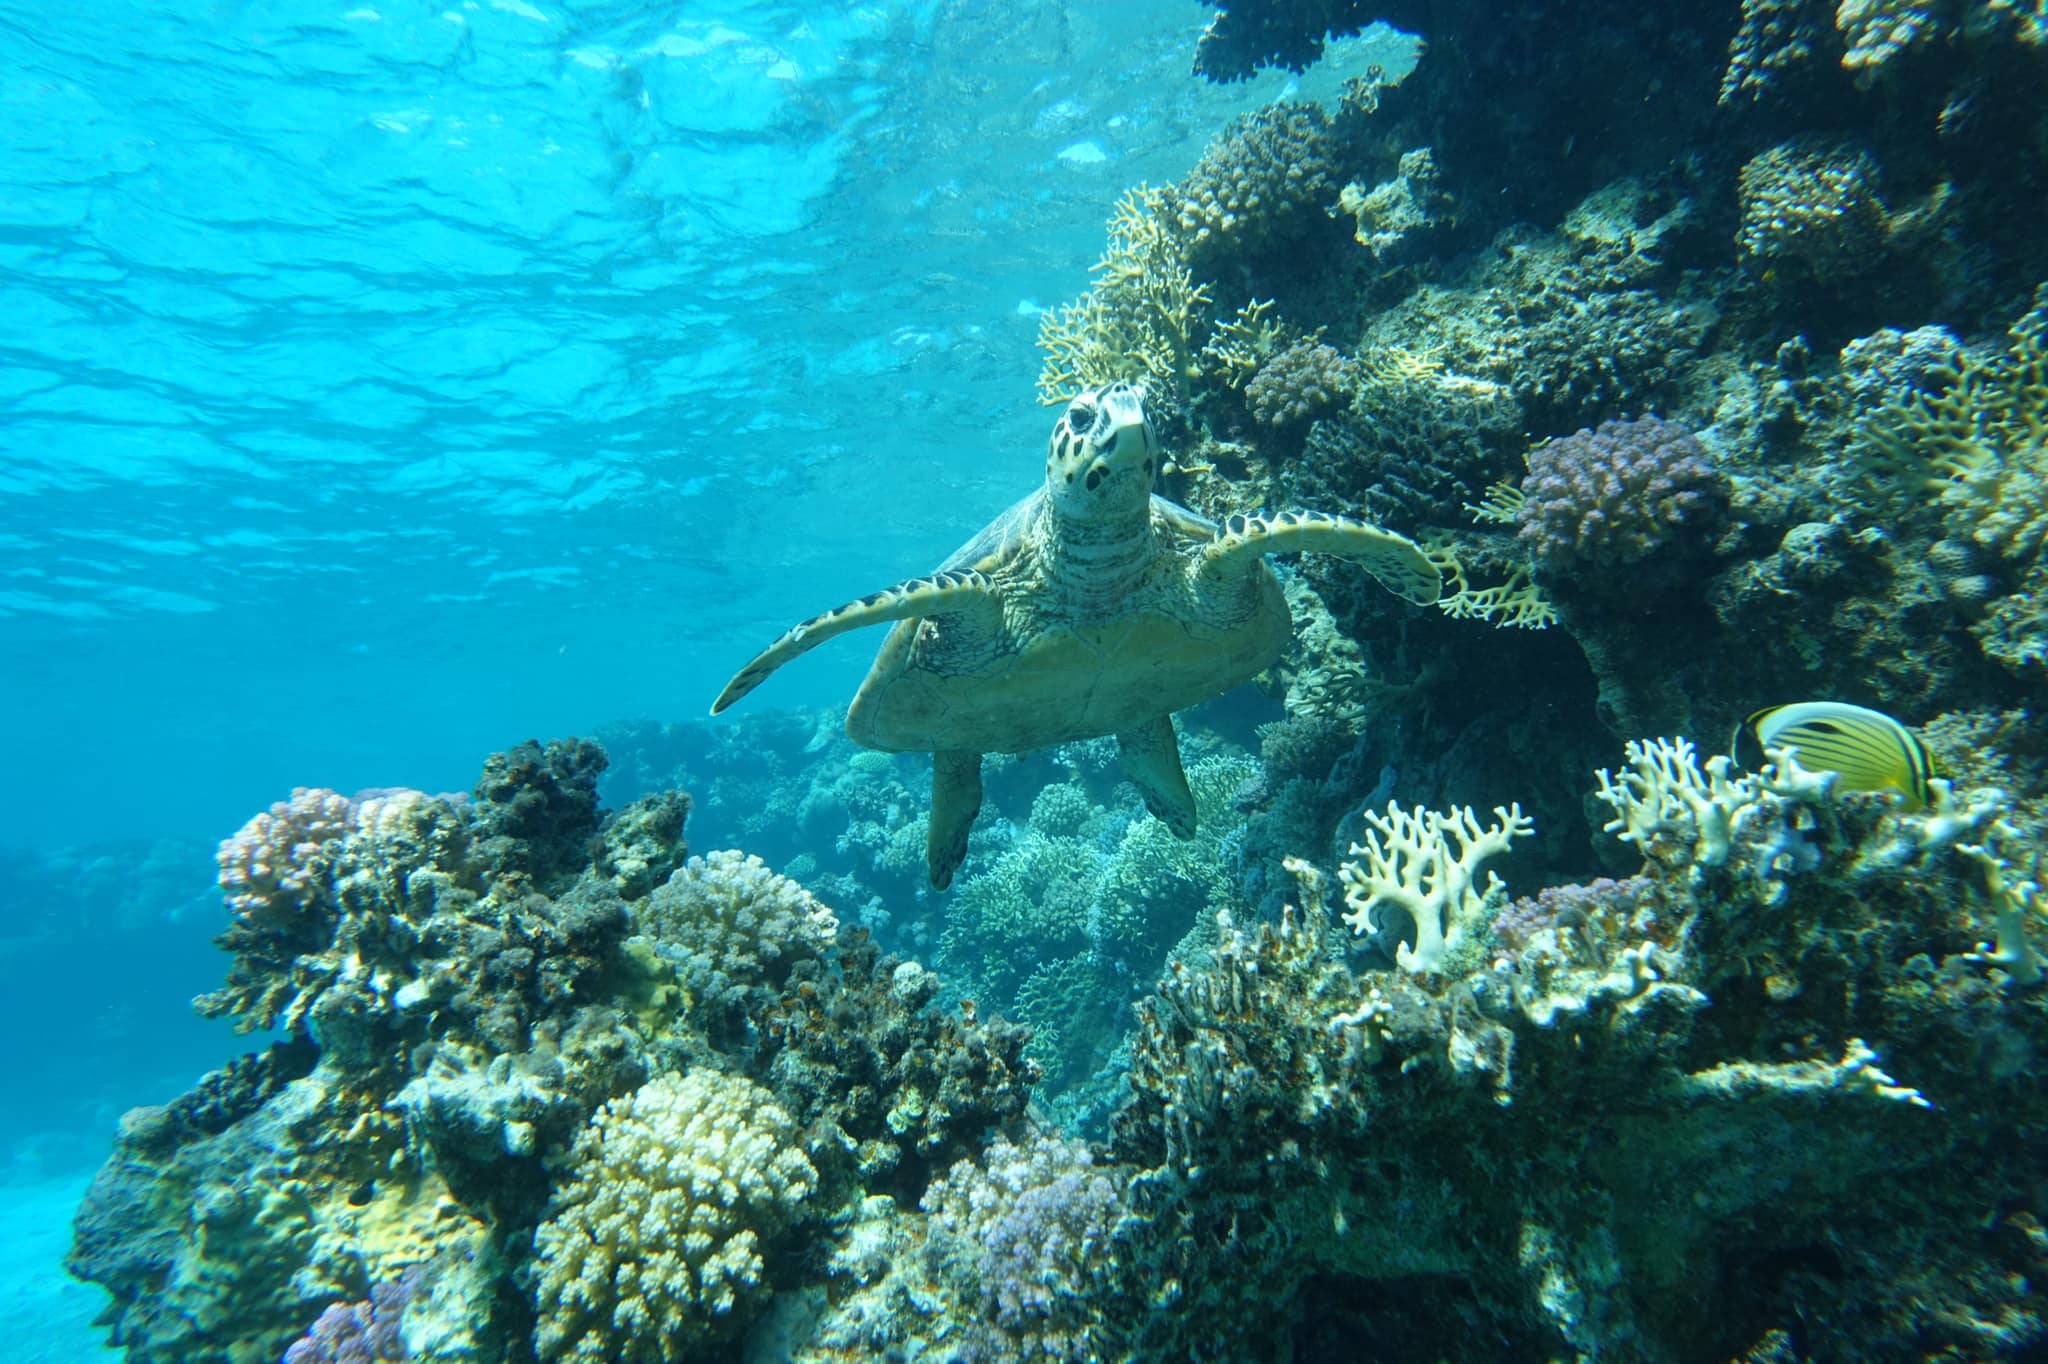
[(1079, 419)]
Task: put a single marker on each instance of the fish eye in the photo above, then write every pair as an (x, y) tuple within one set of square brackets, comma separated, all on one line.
[(1080, 418)]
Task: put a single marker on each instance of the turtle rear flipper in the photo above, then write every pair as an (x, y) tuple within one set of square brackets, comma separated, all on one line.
[(943, 593), (956, 800), (1150, 758), (1396, 561)]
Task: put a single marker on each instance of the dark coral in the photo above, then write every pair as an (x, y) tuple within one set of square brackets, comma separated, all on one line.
[(537, 806)]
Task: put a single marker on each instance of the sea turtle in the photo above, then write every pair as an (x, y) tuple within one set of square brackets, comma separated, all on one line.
[(1091, 607)]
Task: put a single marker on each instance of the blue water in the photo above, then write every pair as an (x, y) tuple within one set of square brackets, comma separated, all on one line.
[(385, 384)]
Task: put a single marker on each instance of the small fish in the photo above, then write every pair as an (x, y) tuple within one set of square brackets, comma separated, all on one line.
[(1871, 751)]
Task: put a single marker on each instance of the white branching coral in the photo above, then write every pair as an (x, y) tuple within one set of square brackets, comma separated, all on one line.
[(2015, 898), (1410, 861), (655, 1238), (1856, 1073), (1671, 809)]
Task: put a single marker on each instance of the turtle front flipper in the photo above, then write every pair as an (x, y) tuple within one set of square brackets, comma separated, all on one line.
[(943, 593), (956, 800), (1150, 757), (1396, 561)]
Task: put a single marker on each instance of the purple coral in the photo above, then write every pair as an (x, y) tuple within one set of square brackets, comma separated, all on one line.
[(360, 1332), (1038, 1220), (1612, 496), (1605, 902)]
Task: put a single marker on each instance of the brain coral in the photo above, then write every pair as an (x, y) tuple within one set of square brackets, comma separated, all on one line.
[(1612, 496), (656, 1236)]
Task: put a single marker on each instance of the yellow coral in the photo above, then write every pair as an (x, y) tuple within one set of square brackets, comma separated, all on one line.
[(1516, 602), (655, 1238), (1140, 320), (1981, 442)]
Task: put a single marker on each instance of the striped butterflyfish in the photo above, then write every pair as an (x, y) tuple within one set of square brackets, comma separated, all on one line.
[(1870, 750)]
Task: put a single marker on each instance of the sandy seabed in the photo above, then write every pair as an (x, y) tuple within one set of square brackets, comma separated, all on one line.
[(51, 1312)]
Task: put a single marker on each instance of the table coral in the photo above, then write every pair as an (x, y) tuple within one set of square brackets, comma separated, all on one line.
[(654, 1243)]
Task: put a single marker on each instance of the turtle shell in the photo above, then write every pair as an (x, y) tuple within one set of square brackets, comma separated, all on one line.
[(1040, 678)]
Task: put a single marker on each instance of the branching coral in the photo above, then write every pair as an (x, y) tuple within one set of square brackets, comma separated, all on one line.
[(1143, 318), (1427, 864), (1975, 433), (655, 1242), (1814, 204)]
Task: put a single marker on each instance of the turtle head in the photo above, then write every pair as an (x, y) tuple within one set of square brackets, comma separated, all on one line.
[(1104, 455)]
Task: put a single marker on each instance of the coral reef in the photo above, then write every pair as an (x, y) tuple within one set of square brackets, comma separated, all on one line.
[(472, 1025)]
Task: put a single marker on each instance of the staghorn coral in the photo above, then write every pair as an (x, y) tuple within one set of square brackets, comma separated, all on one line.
[(1613, 496), (1300, 384), (655, 1242), (1813, 205)]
